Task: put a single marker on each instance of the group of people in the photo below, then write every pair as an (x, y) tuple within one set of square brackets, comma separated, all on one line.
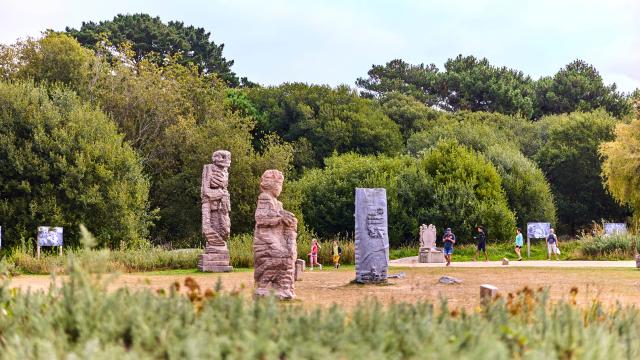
[(336, 253), (449, 240)]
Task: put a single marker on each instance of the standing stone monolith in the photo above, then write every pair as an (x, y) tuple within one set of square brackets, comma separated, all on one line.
[(216, 205), (372, 236), (274, 241)]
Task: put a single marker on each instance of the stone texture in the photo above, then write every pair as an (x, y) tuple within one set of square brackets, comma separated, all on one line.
[(216, 205), (428, 252), (505, 261), (372, 238), (274, 241), (638, 261), (300, 264), (488, 292)]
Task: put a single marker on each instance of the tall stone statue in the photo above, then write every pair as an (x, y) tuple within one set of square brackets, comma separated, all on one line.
[(274, 240), (216, 205), (372, 235), (428, 253)]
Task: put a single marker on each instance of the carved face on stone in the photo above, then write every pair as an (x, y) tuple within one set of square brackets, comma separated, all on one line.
[(221, 158), (271, 182)]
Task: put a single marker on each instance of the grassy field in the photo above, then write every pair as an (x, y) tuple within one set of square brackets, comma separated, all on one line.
[(539, 314)]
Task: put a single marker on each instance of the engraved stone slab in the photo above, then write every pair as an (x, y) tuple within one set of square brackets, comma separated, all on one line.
[(299, 268), (372, 236)]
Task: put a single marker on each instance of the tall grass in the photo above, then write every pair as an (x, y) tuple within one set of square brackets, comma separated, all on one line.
[(81, 319), (612, 247)]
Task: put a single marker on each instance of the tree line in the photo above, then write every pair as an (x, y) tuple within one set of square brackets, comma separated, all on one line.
[(110, 125)]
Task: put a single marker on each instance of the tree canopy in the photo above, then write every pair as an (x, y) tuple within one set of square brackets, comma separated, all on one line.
[(152, 39)]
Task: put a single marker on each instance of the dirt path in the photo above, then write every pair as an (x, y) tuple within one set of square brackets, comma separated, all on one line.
[(413, 262), (330, 286)]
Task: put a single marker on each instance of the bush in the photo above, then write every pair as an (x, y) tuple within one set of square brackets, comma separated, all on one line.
[(63, 163), (449, 186), (611, 247)]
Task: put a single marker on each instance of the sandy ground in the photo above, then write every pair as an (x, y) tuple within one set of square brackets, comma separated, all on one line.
[(327, 287)]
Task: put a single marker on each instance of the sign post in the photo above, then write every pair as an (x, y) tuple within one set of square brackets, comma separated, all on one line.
[(49, 236), (536, 230)]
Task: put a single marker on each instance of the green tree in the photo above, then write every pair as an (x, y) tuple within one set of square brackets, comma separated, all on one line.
[(570, 160), (450, 186), (578, 87), (152, 39), (64, 164), (622, 165), (467, 83), (528, 192), (407, 112), (320, 120)]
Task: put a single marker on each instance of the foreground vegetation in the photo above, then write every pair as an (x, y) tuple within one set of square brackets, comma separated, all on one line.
[(81, 319)]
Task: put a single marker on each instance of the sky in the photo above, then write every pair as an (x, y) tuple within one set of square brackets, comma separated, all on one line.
[(335, 42)]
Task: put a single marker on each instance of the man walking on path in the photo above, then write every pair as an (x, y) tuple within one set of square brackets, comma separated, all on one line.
[(481, 242), (519, 243), (449, 239), (552, 245)]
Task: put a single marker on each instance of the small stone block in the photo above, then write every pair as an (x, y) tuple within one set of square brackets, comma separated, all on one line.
[(487, 292), (299, 268), (209, 268), (505, 261)]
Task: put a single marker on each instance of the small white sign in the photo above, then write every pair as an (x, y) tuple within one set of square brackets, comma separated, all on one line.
[(49, 236), (538, 230)]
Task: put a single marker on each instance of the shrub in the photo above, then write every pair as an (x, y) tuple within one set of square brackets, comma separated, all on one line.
[(448, 186), (611, 247), (63, 163)]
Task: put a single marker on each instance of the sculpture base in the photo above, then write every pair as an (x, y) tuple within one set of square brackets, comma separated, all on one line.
[(282, 294), (215, 259), (430, 256)]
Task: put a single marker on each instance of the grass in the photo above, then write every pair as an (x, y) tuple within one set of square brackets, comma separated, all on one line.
[(81, 319)]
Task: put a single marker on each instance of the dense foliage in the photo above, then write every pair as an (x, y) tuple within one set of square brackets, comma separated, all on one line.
[(474, 84), (63, 163), (448, 186), (82, 319), (621, 167), (319, 120), (152, 39), (569, 158)]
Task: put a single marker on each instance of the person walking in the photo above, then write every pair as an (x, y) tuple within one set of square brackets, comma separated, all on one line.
[(449, 239), (313, 255), (481, 243), (337, 252), (552, 245), (519, 243)]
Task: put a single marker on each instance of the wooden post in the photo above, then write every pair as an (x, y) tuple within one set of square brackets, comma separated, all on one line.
[(60, 252), (38, 251), (528, 246)]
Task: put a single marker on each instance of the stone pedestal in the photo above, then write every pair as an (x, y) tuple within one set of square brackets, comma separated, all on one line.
[(215, 259), (488, 292), (299, 268), (431, 256)]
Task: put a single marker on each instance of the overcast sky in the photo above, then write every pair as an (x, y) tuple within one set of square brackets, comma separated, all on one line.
[(335, 42)]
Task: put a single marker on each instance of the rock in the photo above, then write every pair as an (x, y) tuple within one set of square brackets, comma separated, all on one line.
[(449, 280), (638, 261), (505, 261), (274, 241), (372, 238), (216, 205), (399, 275), (300, 264), (488, 292)]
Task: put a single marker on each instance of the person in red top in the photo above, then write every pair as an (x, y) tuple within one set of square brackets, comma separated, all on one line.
[(313, 255)]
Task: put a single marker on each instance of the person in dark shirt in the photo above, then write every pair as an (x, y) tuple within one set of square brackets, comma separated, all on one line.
[(449, 239), (481, 242)]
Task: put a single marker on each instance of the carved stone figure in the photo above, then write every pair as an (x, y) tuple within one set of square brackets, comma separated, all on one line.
[(428, 251), (274, 241), (216, 205), (372, 238)]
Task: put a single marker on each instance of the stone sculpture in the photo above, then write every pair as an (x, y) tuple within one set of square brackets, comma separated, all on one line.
[(216, 205), (372, 238), (428, 251), (274, 241)]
